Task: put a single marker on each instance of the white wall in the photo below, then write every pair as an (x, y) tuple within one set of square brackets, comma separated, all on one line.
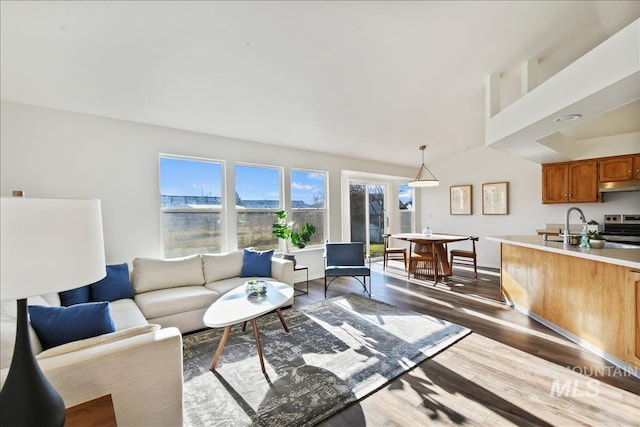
[(52, 153), (526, 211)]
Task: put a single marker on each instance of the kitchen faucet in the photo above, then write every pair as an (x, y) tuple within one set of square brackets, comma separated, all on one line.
[(565, 239)]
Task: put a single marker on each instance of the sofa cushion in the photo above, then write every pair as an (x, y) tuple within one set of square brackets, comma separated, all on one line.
[(165, 302), (8, 315), (60, 325), (115, 285), (75, 296), (255, 263), (222, 266), (52, 299), (225, 285), (153, 274), (125, 314), (98, 340)]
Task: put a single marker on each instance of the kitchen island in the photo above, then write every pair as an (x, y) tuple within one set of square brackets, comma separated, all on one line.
[(591, 296)]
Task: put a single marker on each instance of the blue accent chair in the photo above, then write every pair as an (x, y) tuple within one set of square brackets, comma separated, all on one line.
[(346, 259)]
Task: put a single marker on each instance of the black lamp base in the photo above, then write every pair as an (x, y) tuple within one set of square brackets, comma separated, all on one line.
[(27, 397)]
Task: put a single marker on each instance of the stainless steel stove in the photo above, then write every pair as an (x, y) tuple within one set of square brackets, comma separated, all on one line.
[(622, 228)]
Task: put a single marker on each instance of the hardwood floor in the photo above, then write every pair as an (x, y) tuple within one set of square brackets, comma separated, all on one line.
[(510, 370)]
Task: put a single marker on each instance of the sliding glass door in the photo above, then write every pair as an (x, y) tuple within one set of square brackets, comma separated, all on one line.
[(368, 219)]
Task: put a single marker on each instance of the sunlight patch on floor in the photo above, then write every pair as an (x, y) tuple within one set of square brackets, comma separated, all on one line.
[(419, 295), (510, 325)]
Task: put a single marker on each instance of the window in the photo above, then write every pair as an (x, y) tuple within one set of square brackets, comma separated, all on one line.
[(405, 198), (308, 201), (191, 206), (258, 197)]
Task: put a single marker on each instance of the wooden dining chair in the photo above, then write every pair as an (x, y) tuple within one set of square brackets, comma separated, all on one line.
[(423, 261), (394, 253), (466, 257)]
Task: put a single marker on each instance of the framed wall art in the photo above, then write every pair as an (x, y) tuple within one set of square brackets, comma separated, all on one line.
[(460, 200), (495, 198)]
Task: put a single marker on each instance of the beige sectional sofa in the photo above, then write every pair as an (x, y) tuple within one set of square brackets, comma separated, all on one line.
[(140, 364), (178, 292)]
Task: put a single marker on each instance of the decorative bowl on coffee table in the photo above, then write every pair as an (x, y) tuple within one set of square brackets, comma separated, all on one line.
[(256, 288)]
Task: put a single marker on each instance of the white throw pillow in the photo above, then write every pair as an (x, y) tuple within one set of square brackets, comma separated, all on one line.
[(153, 274), (222, 266)]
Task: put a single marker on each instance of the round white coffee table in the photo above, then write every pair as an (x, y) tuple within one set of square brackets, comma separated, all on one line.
[(235, 307)]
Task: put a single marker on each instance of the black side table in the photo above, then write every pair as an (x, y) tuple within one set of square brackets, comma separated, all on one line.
[(300, 267)]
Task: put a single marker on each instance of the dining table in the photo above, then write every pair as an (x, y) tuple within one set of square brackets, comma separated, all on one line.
[(437, 242)]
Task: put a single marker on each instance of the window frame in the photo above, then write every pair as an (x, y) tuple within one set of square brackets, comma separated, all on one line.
[(325, 203), (411, 211), (219, 210), (238, 211)]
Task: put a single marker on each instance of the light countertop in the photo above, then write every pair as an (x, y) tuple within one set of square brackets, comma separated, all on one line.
[(625, 257)]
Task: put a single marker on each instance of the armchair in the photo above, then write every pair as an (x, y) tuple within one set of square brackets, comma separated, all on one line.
[(346, 259)]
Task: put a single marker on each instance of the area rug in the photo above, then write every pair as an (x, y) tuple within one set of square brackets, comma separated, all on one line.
[(336, 352)]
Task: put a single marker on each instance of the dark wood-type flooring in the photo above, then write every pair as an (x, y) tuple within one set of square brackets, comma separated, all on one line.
[(510, 370)]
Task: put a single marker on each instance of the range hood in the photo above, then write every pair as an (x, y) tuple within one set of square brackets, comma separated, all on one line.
[(613, 186)]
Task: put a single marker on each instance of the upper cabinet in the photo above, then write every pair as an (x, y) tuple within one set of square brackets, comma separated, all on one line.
[(583, 181), (617, 168), (570, 182), (555, 183)]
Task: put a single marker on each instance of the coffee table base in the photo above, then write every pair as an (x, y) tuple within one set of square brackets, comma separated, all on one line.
[(227, 331)]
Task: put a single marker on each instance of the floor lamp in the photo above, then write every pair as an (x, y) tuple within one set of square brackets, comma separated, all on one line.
[(47, 245)]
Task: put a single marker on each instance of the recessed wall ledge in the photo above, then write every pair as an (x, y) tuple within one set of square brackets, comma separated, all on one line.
[(604, 79)]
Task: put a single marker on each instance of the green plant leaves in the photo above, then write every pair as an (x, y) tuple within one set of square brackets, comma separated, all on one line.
[(285, 231)]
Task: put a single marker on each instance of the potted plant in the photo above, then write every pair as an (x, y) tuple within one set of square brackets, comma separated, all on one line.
[(592, 225), (285, 230), (596, 241)]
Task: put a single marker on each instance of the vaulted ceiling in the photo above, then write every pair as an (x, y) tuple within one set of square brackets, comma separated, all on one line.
[(365, 79)]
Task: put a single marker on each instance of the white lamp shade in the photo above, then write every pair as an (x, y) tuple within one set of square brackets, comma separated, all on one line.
[(425, 183), (49, 245), (424, 178)]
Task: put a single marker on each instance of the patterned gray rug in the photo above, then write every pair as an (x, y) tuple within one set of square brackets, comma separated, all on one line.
[(336, 352)]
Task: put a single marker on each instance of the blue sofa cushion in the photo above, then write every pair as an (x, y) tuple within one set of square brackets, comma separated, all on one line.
[(256, 264), (115, 285), (75, 296), (60, 325)]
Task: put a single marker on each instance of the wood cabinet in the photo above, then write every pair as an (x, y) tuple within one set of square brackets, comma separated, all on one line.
[(579, 181), (637, 273), (597, 302), (570, 182), (619, 168)]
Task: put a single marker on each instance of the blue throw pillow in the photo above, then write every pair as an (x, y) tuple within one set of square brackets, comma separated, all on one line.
[(114, 286), (60, 325), (74, 296), (256, 264)]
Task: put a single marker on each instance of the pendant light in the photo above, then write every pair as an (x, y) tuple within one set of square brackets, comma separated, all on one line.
[(424, 178)]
